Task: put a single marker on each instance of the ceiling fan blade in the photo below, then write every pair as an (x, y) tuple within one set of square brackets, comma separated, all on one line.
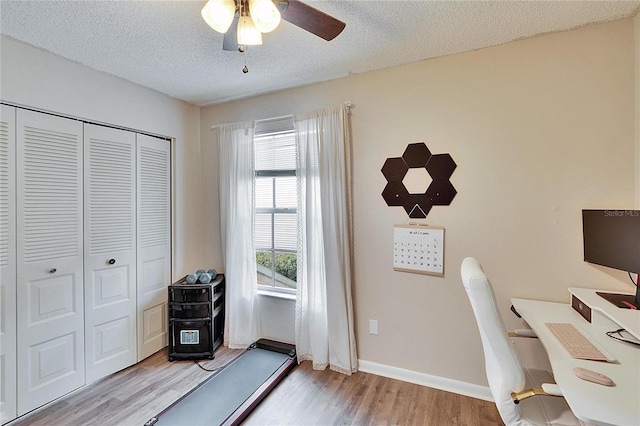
[(230, 41), (312, 20)]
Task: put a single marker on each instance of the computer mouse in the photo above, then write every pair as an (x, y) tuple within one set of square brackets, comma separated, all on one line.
[(593, 376)]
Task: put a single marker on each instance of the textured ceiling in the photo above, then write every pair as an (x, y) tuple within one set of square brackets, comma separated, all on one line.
[(166, 46)]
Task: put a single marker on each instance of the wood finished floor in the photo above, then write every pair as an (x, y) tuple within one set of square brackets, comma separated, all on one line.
[(305, 397)]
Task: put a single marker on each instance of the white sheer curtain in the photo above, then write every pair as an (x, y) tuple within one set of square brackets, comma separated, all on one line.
[(235, 153), (324, 309)]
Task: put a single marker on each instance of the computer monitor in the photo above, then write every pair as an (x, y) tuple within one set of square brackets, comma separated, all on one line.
[(612, 239)]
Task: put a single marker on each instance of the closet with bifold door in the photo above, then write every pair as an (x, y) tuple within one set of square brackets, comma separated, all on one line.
[(8, 360), (85, 254), (109, 250), (153, 243), (50, 303)]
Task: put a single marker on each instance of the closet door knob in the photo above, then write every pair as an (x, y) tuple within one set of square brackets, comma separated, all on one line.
[(52, 270), (112, 261)]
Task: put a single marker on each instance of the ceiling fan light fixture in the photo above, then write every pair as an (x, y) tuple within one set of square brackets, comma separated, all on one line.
[(218, 14), (265, 15), (248, 34)]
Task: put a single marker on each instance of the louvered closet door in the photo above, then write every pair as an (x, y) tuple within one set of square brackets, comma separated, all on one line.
[(8, 368), (153, 242), (49, 266), (109, 250)]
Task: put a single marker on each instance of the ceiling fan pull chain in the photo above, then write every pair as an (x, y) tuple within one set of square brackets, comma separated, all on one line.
[(245, 69)]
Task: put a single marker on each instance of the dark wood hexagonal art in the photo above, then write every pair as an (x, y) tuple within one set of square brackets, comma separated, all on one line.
[(440, 191)]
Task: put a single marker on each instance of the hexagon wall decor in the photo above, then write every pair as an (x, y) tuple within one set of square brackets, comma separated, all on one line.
[(440, 191)]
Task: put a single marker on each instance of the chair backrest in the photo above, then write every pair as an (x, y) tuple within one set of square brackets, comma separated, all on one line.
[(504, 373)]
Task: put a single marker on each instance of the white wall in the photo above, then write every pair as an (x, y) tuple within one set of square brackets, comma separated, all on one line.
[(36, 79), (277, 319), (539, 128)]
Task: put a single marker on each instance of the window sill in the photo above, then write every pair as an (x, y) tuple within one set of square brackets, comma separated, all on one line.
[(277, 295)]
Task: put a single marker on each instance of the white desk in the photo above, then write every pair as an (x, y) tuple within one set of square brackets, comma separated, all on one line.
[(590, 402)]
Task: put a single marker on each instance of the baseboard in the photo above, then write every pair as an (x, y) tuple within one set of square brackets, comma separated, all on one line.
[(442, 383)]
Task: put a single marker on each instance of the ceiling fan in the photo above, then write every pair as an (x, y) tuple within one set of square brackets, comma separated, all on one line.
[(243, 21)]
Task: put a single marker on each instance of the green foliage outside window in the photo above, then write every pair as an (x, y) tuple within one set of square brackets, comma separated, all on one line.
[(285, 263)]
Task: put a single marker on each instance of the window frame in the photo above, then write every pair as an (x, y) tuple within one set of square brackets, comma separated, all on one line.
[(273, 211)]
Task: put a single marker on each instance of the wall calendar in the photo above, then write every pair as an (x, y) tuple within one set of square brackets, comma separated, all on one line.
[(418, 249)]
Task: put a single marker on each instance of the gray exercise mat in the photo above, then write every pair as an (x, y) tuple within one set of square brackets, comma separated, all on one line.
[(220, 395)]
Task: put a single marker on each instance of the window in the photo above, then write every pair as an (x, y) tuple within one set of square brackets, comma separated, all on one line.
[(276, 204)]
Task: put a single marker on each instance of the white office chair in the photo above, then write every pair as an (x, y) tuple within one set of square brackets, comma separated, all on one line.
[(508, 381)]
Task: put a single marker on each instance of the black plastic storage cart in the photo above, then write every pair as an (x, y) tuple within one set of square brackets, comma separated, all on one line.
[(196, 318)]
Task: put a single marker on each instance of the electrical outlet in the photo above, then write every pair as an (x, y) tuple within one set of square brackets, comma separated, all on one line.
[(373, 327)]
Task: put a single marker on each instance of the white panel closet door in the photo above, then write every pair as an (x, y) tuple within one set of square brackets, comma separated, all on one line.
[(153, 242), (8, 368), (49, 258), (109, 250)]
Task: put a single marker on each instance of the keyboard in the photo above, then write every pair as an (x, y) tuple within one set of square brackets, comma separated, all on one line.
[(575, 342)]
